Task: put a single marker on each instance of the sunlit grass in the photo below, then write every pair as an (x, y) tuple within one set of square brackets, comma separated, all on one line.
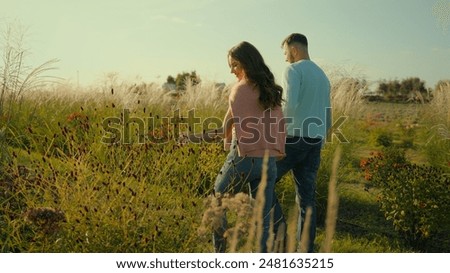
[(154, 196)]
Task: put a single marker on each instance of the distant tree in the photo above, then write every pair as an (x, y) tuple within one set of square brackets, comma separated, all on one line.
[(410, 89), (413, 84), (388, 90), (182, 79), (170, 80), (185, 77)]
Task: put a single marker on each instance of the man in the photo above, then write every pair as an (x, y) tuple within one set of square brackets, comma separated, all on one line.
[(307, 111)]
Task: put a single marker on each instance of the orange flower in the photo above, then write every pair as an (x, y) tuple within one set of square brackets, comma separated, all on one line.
[(75, 116), (368, 176), (363, 163)]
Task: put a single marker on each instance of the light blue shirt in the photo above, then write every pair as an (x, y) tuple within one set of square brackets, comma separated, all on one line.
[(306, 106)]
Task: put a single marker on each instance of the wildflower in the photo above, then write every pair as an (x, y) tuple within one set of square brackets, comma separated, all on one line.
[(363, 163), (75, 116)]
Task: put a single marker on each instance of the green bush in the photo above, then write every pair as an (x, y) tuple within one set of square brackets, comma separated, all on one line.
[(384, 139), (413, 197)]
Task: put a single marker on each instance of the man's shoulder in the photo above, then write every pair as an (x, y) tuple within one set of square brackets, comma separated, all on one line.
[(306, 64), (292, 69), (301, 68), (312, 67), (301, 65)]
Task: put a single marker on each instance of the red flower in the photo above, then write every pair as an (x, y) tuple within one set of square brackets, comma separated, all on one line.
[(363, 163), (75, 116)]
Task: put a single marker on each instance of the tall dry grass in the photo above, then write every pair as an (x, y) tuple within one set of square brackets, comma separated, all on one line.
[(346, 96), (99, 103), (440, 104), (333, 204), (16, 79)]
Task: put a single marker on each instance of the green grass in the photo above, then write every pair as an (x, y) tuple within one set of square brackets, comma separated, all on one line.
[(151, 197)]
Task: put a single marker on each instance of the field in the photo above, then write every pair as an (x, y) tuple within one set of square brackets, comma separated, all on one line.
[(102, 171)]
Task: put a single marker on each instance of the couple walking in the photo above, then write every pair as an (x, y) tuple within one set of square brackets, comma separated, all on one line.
[(288, 124)]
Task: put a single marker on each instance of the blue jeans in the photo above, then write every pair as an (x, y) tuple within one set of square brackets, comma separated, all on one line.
[(237, 173), (303, 158)]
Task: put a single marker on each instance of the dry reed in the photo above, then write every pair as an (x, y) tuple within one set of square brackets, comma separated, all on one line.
[(304, 241), (346, 96), (440, 105), (332, 205), (291, 230)]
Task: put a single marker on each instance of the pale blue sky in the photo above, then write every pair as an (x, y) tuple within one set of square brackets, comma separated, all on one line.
[(151, 39)]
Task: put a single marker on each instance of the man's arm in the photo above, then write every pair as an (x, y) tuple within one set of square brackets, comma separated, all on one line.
[(291, 84)]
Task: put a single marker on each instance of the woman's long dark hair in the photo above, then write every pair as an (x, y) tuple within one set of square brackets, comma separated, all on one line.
[(258, 73)]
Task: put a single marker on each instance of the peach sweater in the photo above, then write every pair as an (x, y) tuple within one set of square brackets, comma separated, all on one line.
[(256, 129)]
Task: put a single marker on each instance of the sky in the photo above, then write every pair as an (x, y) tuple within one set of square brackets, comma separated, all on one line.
[(148, 40)]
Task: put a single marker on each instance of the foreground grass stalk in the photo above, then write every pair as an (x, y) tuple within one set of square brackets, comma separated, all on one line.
[(333, 204), (304, 241), (291, 242)]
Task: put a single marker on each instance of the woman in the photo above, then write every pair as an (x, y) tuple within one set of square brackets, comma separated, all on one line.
[(253, 125)]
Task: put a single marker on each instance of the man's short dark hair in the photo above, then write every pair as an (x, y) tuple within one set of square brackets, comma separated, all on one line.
[(295, 38)]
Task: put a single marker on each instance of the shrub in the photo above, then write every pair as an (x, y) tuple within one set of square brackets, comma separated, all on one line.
[(384, 139), (413, 197)]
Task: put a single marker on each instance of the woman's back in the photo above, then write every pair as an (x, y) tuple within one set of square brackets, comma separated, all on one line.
[(257, 129)]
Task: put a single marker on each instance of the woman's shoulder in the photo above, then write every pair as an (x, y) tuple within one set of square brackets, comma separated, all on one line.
[(242, 85), (240, 88)]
